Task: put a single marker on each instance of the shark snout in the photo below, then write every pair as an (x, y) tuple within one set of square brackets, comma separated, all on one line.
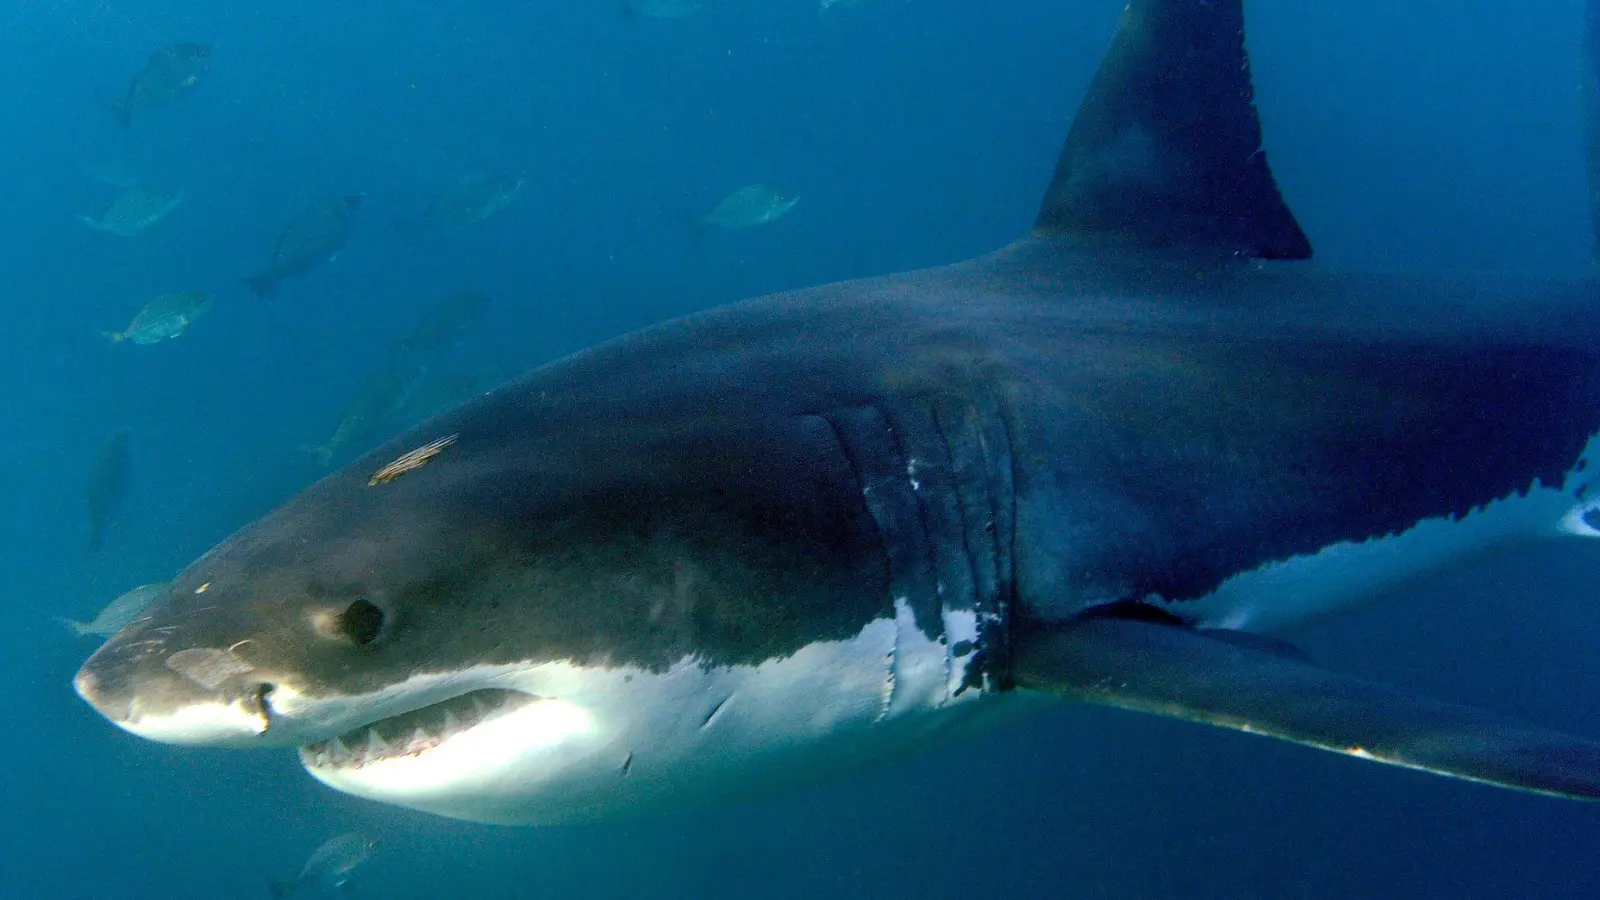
[(188, 697)]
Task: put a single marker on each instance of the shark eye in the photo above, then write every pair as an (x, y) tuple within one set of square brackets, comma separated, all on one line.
[(360, 623)]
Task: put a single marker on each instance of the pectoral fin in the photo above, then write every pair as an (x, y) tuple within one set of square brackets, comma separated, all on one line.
[(1186, 674)]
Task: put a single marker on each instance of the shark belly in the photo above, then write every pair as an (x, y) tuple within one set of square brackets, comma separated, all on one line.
[(1283, 595), (598, 741)]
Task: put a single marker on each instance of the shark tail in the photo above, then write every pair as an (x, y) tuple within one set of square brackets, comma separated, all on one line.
[(115, 337), (120, 109)]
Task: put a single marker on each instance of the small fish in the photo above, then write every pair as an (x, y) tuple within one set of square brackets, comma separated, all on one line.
[(108, 487), (164, 318), (312, 237), (167, 76), (471, 199), (373, 408), (748, 207), (447, 390), (661, 9), (445, 322), (412, 460), (119, 612), (135, 210), (330, 864)]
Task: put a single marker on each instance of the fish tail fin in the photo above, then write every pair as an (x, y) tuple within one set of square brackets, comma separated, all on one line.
[(97, 538), (264, 285), (92, 223), (73, 625), (119, 109), (115, 337)]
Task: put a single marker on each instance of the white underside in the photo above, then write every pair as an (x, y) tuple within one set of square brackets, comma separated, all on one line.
[(605, 740), (1283, 595)]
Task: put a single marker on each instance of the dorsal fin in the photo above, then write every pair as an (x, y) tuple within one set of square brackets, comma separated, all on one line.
[(1166, 149)]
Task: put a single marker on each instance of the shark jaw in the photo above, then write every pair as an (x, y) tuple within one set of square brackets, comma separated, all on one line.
[(556, 742), (449, 756)]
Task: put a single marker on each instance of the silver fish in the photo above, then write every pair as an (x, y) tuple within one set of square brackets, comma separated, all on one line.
[(469, 200), (313, 237), (165, 77), (748, 207), (135, 210), (444, 322), (119, 612), (164, 318), (330, 864), (440, 391), (372, 409)]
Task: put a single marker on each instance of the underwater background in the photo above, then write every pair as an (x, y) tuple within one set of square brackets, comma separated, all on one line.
[(1416, 135)]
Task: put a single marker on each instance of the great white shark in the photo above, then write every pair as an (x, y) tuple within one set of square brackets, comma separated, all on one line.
[(768, 541)]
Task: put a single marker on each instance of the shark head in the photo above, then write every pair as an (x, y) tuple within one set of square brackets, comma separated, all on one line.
[(637, 599)]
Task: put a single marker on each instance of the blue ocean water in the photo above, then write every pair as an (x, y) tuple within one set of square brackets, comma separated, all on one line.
[(1426, 135)]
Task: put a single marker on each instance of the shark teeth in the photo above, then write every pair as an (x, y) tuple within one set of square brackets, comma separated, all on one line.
[(428, 727)]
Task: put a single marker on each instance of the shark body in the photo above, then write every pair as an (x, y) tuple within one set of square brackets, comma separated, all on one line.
[(774, 539)]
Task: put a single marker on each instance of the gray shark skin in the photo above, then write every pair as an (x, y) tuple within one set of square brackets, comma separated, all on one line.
[(755, 545)]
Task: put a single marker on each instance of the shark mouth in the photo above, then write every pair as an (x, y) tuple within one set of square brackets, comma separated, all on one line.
[(413, 733)]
